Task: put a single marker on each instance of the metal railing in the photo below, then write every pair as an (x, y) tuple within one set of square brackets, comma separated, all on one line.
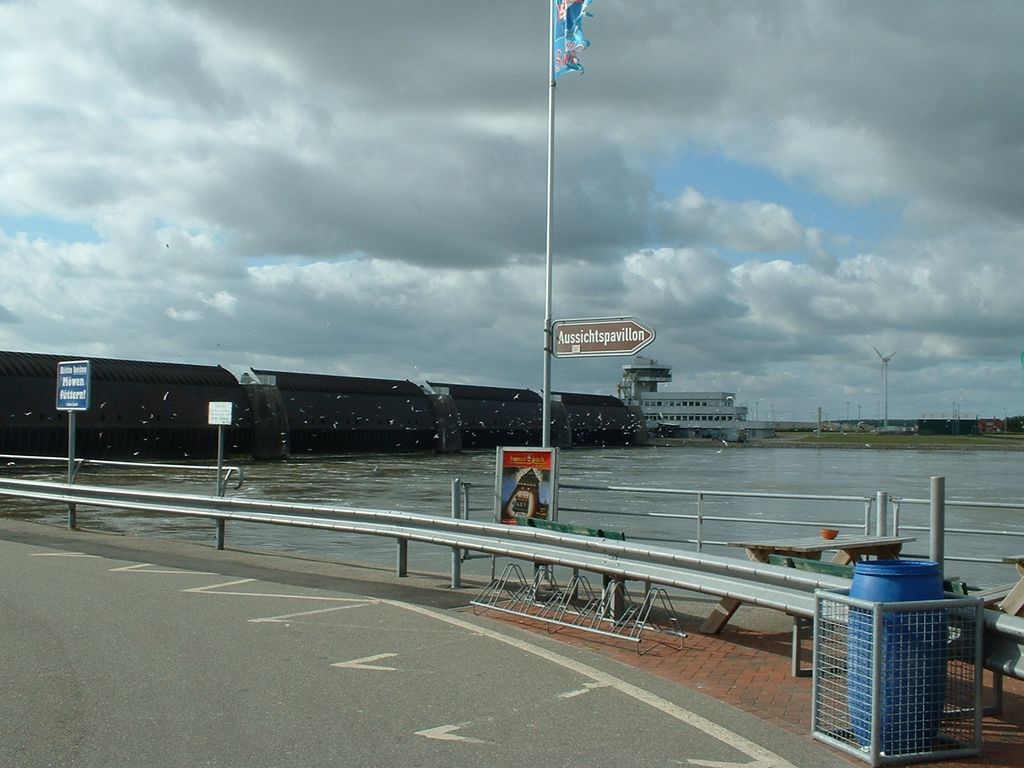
[(900, 527), (881, 515), (227, 471), (701, 517)]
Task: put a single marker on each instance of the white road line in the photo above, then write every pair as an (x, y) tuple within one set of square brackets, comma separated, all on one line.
[(761, 757), (208, 587), (587, 688), (218, 589), (573, 694), (445, 733), (61, 554), (364, 663), (148, 568), (284, 619)]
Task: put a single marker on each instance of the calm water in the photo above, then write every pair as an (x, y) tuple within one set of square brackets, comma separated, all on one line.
[(422, 483)]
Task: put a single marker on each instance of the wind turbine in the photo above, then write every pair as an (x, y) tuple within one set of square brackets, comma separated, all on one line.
[(885, 385)]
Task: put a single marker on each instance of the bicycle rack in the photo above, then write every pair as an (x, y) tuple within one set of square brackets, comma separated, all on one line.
[(578, 606)]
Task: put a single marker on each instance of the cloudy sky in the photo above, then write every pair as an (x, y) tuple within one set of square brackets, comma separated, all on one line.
[(359, 188)]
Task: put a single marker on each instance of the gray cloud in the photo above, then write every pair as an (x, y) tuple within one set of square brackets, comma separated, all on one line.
[(359, 189)]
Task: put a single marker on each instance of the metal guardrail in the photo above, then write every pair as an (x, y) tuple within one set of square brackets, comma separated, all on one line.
[(775, 585), (771, 586)]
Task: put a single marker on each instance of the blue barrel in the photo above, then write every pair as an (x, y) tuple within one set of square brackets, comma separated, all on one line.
[(913, 649)]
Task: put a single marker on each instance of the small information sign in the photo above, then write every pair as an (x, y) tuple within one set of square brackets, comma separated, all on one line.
[(220, 414), (73, 385)]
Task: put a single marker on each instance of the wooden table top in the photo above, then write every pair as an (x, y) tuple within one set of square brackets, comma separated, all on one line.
[(818, 544)]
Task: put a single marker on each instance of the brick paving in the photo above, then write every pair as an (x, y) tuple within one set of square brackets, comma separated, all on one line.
[(750, 669)]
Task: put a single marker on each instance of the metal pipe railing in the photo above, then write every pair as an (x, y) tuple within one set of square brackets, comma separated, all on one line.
[(702, 518), (227, 471)]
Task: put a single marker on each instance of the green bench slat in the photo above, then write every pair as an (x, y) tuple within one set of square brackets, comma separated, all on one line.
[(815, 566), (580, 530), (956, 586)]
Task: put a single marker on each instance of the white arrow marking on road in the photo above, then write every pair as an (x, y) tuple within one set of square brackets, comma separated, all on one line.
[(445, 733), (147, 568), (760, 755), (61, 554), (364, 663), (218, 589), (587, 688), (284, 619)]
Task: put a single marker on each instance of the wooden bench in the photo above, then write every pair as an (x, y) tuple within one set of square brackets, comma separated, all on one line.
[(845, 570)]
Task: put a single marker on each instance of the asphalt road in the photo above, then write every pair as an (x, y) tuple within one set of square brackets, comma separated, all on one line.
[(130, 652)]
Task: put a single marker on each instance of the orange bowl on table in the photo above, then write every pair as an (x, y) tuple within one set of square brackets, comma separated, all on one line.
[(829, 533)]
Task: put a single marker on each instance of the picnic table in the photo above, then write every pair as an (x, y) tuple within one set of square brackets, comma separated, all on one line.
[(1013, 603), (849, 548)]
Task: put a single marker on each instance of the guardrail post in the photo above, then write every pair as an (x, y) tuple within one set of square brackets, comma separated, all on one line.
[(937, 520), (220, 533), (456, 552), (465, 500), (700, 521), (402, 564), (882, 514)]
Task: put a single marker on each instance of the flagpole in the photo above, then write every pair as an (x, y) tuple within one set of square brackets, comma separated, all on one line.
[(548, 346)]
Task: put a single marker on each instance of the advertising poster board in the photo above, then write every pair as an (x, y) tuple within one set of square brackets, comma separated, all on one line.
[(526, 484)]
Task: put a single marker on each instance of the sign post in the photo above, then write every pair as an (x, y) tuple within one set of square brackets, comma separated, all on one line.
[(220, 415), (74, 384), (600, 337)]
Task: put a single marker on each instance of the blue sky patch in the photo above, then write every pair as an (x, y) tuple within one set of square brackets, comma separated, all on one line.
[(717, 176), (47, 228)]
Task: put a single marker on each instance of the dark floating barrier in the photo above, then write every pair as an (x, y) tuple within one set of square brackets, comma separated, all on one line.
[(158, 410)]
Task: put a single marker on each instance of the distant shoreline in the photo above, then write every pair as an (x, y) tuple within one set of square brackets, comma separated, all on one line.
[(856, 441)]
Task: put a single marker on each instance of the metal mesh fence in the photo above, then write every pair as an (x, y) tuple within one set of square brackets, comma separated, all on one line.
[(897, 682)]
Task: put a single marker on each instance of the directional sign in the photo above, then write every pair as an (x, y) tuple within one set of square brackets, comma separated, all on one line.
[(73, 384), (600, 337)]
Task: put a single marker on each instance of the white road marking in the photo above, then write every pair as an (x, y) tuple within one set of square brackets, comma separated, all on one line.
[(573, 694), (445, 733), (761, 757), (364, 663), (61, 554), (147, 568), (218, 589), (284, 619), (208, 587)]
